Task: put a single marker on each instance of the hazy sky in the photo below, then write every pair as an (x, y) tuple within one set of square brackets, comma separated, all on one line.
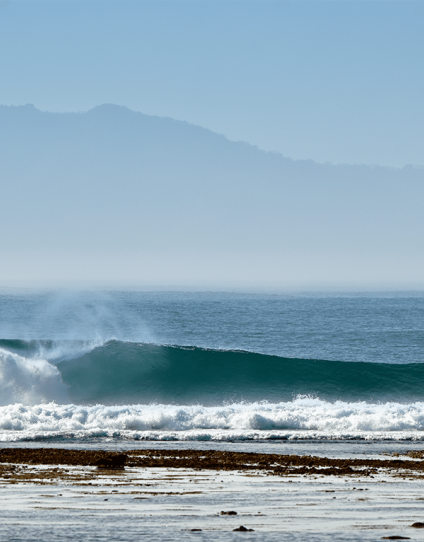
[(121, 197), (331, 81)]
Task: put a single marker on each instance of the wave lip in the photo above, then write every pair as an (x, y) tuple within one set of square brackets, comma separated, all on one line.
[(51, 350)]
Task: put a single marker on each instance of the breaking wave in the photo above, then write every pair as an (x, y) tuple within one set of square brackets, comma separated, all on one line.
[(144, 391), (29, 380), (118, 372)]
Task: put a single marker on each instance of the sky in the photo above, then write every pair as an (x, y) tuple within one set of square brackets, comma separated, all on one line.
[(332, 81), (112, 196)]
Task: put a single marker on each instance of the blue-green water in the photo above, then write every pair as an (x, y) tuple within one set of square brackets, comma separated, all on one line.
[(211, 365)]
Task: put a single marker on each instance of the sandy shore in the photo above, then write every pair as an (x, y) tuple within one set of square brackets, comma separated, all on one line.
[(53, 494)]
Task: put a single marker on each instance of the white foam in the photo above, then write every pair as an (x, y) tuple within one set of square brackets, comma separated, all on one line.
[(29, 381), (301, 418)]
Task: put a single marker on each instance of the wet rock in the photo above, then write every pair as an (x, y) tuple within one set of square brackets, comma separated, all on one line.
[(229, 513), (242, 528), (112, 462), (275, 464), (395, 537)]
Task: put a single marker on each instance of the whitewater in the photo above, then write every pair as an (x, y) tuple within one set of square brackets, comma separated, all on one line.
[(211, 367), (303, 418)]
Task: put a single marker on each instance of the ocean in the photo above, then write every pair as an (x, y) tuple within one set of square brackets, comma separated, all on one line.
[(229, 368)]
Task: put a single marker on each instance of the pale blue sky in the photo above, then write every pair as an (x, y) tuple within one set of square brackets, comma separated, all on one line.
[(331, 81)]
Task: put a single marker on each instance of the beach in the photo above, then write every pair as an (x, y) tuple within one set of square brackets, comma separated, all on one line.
[(176, 494)]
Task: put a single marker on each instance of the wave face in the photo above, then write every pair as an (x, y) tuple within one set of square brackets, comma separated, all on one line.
[(79, 390), (124, 372), (130, 372)]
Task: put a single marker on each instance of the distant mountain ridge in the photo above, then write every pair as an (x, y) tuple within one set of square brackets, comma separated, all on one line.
[(170, 199), (111, 113)]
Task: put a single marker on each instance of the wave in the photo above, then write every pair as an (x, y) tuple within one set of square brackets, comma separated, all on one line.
[(28, 380), (117, 372), (53, 350), (302, 418)]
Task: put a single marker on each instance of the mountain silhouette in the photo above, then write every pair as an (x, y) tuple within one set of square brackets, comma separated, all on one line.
[(135, 197)]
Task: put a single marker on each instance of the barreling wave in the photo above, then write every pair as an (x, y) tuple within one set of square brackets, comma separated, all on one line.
[(129, 373)]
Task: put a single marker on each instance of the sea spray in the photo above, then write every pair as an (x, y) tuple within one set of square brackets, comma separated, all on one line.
[(29, 380)]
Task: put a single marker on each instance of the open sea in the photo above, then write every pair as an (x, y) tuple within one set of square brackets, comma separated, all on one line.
[(124, 367)]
